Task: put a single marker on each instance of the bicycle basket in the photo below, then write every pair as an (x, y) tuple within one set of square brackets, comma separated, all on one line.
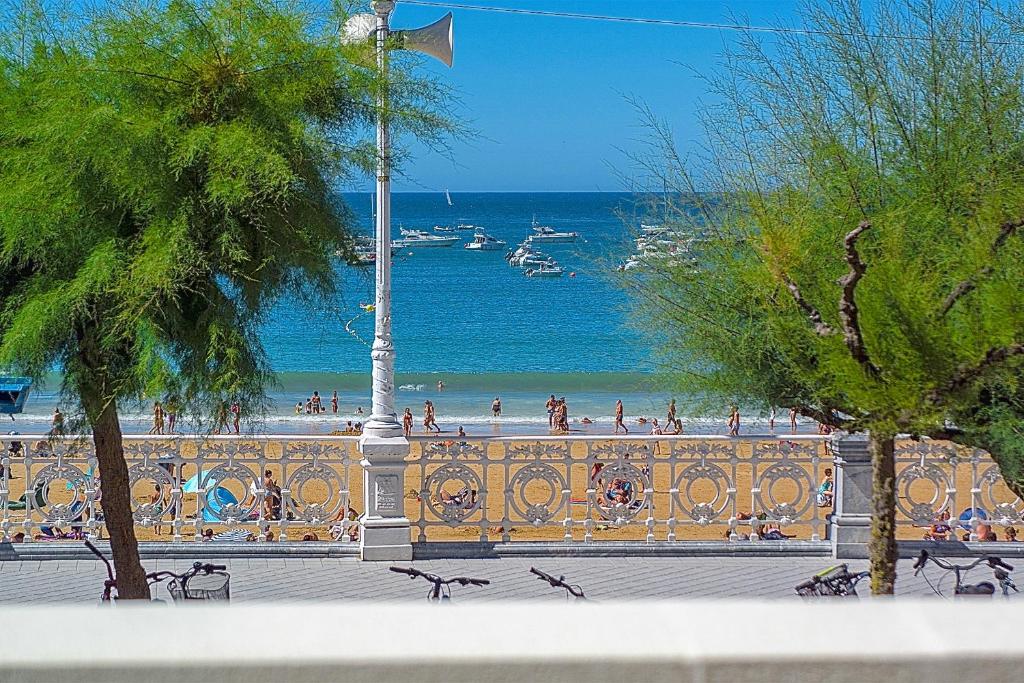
[(214, 586)]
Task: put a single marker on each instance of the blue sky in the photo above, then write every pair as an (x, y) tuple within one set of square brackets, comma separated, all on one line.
[(548, 96)]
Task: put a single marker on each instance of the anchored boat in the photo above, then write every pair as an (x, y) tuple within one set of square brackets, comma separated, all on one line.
[(420, 238), (484, 242)]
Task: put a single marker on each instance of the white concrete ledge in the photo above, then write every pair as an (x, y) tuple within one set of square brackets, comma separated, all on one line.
[(870, 640)]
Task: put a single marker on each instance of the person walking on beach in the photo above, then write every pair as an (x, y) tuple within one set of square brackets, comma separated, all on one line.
[(563, 415), (792, 420), (550, 406), (334, 402), (429, 419), (236, 415), (57, 425), (618, 417), (407, 422), (771, 419), (671, 417), (496, 407), (158, 419), (222, 417), (734, 421)]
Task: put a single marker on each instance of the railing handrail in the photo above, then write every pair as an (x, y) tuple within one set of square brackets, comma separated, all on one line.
[(445, 436)]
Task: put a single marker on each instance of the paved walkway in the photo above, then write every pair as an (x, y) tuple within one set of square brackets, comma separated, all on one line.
[(605, 579)]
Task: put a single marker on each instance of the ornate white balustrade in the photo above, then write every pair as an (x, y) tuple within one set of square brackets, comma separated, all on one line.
[(571, 488), (591, 488), (933, 477), (183, 485)]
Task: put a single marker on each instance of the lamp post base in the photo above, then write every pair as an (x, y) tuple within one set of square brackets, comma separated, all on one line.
[(384, 530)]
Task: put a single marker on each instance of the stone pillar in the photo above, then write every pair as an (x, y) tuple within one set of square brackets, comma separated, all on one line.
[(384, 533), (851, 521)]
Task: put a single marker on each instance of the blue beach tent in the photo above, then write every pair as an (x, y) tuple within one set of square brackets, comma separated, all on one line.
[(216, 497), (13, 394)]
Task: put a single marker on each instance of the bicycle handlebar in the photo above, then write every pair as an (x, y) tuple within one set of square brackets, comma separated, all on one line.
[(574, 590), (996, 562), (921, 560), (408, 571)]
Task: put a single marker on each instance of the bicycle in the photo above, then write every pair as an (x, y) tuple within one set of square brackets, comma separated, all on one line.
[(178, 587), (571, 589), (1000, 570), (441, 590), (835, 581)]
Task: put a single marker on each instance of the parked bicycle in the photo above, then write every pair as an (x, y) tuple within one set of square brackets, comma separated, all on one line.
[(834, 582), (215, 588), (1000, 570), (571, 589), (441, 587)]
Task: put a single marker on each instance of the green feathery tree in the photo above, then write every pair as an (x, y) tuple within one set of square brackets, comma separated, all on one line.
[(167, 171), (860, 256)]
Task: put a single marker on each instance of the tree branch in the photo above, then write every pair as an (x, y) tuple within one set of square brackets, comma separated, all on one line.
[(1006, 230), (820, 326), (848, 312), (965, 374)]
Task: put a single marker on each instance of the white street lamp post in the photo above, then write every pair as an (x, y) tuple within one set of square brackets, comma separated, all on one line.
[(384, 528), (383, 422)]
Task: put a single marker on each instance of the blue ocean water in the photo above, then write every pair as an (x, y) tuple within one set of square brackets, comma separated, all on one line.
[(471, 320), (462, 311)]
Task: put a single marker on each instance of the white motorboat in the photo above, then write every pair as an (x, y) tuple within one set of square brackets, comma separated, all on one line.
[(545, 270), (419, 238), (484, 242), (468, 227), (544, 233), (443, 228)]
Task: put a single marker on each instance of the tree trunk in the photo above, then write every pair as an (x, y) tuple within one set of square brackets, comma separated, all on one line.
[(115, 491), (883, 514)]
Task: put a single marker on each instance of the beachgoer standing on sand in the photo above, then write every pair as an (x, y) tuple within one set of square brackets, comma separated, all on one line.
[(771, 418), (236, 415), (671, 412), (172, 413), (222, 416), (792, 420), (334, 402), (496, 407), (618, 417), (734, 421), (407, 422), (158, 419)]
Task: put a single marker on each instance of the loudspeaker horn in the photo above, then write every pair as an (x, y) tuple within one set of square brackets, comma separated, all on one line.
[(434, 40)]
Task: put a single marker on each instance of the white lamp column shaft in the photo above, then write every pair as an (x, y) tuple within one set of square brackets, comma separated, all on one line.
[(383, 420)]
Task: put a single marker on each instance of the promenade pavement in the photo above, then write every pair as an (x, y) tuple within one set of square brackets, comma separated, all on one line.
[(347, 579)]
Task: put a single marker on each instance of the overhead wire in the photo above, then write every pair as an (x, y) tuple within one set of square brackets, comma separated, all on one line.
[(673, 22)]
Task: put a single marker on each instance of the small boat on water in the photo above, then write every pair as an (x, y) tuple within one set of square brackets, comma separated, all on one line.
[(544, 233), (443, 228), (420, 238), (469, 227), (545, 270), (484, 242)]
